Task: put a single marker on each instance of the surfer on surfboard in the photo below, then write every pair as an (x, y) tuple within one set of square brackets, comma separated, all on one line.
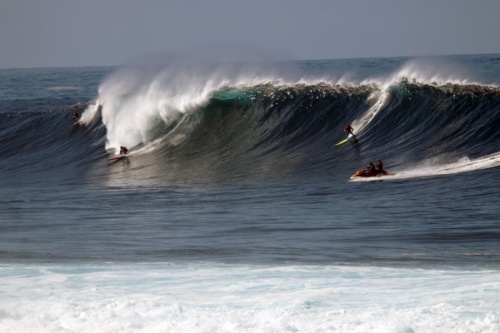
[(350, 138), (350, 130), (76, 119), (122, 157)]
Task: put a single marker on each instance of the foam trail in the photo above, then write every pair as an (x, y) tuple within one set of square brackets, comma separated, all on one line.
[(381, 100), (425, 70)]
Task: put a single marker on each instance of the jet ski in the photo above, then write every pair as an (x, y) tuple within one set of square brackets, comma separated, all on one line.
[(368, 173)]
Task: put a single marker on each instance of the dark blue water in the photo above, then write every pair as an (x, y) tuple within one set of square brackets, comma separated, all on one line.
[(237, 166), (250, 172)]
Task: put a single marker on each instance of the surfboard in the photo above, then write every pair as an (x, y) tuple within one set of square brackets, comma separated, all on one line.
[(342, 142), (350, 138), (117, 158), (75, 124)]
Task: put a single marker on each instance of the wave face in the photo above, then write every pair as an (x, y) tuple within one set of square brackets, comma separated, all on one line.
[(224, 121), (235, 120)]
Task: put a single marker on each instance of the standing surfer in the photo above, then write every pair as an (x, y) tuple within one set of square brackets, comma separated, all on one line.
[(76, 119), (350, 130)]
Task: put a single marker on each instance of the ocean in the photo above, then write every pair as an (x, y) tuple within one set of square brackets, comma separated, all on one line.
[(234, 210)]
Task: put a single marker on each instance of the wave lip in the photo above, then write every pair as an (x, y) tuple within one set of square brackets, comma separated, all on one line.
[(136, 100)]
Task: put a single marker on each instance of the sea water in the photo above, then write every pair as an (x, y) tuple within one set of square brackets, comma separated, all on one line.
[(235, 212)]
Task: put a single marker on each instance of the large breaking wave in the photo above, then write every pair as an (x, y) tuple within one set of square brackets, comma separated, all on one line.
[(238, 120), (226, 114)]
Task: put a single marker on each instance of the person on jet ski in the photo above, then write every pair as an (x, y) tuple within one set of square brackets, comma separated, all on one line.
[(369, 169), (380, 165), (123, 150)]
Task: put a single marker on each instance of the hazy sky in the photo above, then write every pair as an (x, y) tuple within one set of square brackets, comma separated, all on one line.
[(54, 33)]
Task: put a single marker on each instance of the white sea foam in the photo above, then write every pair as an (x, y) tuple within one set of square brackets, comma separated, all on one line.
[(223, 298), (432, 71), (134, 100), (63, 88), (379, 98)]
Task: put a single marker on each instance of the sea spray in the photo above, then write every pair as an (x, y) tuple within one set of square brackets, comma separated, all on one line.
[(136, 99)]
